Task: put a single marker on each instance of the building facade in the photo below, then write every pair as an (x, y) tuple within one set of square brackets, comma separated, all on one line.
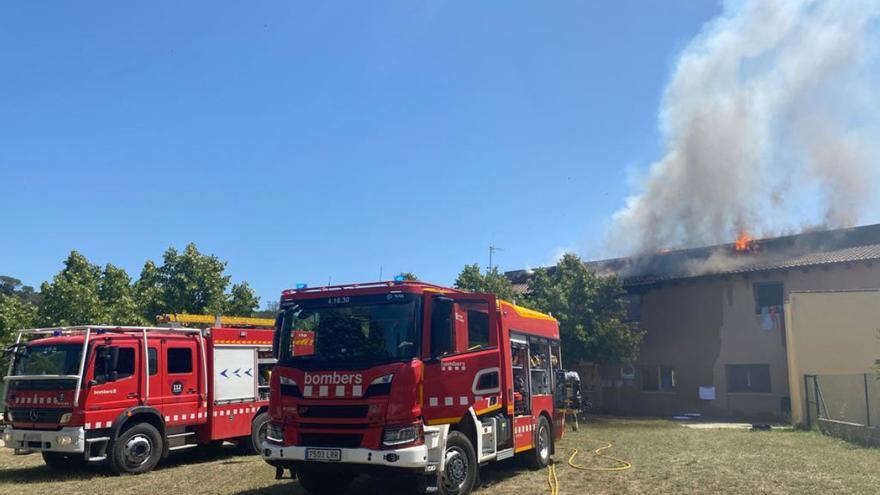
[(715, 341)]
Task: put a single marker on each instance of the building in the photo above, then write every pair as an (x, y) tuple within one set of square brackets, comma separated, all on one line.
[(714, 319)]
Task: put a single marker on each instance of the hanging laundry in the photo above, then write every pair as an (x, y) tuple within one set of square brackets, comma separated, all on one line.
[(766, 319)]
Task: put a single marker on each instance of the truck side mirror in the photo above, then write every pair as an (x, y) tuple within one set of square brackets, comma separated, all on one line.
[(441, 326)]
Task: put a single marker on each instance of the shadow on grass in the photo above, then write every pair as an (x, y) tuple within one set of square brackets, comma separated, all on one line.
[(43, 473), (490, 475)]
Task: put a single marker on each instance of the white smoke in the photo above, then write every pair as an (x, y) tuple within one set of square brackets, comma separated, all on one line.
[(770, 122)]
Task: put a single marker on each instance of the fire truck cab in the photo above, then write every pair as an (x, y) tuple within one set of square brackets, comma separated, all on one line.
[(129, 396), (411, 378)]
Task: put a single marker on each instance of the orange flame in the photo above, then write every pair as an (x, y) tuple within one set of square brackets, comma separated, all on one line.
[(743, 243)]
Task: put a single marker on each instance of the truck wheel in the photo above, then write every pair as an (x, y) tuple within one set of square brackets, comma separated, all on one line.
[(320, 481), (136, 450), (58, 460), (460, 473), (254, 443), (539, 457)]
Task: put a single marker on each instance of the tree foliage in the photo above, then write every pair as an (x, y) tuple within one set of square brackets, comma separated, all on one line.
[(493, 282), (410, 276), (243, 301), (590, 310), (72, 298)]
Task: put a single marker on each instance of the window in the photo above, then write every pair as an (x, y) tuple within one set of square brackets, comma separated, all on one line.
[(658, 378), (441, 327), (748, 378), (768, 296), (124, 366), (477, 328), (539, 362), (179, 360), (153, 358)]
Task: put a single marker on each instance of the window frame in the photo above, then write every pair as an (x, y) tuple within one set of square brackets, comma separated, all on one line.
[(748, 369), (657, 370), (168, 360)]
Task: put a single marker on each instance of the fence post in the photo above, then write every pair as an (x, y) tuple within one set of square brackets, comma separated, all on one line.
[(867, 402), (807, 400), (816, 396)]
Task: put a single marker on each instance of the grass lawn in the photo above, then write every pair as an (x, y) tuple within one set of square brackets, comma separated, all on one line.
[(666, 458)]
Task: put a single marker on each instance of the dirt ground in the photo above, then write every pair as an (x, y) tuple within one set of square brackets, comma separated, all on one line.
[(666, 458)]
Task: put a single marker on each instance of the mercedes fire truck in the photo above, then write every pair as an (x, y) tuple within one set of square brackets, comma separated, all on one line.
[(410, 378), (128, 396)]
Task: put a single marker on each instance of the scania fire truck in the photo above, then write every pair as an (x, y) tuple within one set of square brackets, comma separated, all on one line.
[(410, 378), (130, 395)]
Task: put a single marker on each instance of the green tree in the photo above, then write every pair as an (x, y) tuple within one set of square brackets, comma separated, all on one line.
[(243, 301), (15, 314), (11, 286), (72, 298), (408, 276), (192, 282), (590, 310), (116, 297), (148, 293), (493, 282)]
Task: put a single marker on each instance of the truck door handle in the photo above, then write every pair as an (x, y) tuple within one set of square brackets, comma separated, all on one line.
[(132, 395), (190, 390)]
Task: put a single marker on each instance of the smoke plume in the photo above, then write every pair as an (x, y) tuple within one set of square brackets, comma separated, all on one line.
[(770, 122)]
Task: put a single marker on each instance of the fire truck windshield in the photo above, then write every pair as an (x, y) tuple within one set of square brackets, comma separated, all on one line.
[(48, 360), (371, 329)]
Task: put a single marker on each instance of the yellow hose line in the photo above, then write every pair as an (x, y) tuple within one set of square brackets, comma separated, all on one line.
[(624, 465), (553, 482)]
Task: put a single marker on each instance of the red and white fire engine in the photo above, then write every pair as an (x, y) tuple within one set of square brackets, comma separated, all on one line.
[(412, 378), (130, 395)]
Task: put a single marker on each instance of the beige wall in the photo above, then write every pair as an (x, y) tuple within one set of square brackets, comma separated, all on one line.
[(700, 326), (830, 332)]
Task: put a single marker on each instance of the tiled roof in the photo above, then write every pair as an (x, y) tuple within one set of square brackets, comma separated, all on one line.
[(779, 253)]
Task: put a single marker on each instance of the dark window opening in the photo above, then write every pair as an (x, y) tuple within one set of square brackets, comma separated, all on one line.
[(153, 358), (488, 381), (124, 366), (748, 378), (767, 296), (658, 378), (179, 360), (478, 329)]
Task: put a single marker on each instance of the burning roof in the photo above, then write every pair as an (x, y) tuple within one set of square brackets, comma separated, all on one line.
[(742, 256)]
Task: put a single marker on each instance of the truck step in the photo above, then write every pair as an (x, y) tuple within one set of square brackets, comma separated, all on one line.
[(180, 435), (97, 439), (185, 446), (97, 459), (504, 454)]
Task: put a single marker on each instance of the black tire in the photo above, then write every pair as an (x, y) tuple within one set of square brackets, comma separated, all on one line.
[(460, 472), (61, 461), (253, 443), (320, 480), (136, 450), (539, 457)]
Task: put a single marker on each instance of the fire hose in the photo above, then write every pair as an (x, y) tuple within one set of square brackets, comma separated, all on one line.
[(553, 482)]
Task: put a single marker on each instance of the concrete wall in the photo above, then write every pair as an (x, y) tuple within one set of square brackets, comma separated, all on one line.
[(700, 326), (830, 333)]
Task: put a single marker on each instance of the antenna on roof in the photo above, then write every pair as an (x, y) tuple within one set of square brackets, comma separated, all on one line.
[(492, 250)]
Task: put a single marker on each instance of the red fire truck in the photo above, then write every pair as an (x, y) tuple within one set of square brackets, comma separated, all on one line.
[(410, 378), (130, 395)]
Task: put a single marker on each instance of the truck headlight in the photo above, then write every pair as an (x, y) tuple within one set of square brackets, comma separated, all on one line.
[(275, 433), (7, 437), (63, 440), (65, 418), (403, 434)]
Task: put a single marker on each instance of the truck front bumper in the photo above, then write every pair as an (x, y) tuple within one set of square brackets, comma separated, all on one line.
[(415, 458), (71, 440)]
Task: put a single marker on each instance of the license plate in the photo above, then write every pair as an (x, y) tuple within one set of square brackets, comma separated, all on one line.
[(325, 455)]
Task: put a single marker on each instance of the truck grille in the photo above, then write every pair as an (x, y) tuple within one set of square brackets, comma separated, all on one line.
[(344, 440), (335, 412), (36, 414)]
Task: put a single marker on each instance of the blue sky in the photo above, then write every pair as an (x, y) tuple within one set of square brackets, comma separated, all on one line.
[(303, 142)]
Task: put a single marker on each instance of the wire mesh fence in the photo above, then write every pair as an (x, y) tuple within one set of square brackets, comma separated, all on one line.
[(844, 405)]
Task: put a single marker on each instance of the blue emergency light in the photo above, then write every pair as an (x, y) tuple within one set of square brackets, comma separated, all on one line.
[(301, 286), (399, 278)]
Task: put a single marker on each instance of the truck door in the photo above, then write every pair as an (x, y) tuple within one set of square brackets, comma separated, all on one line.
[(112, 390), (180, 381), (462, 370)]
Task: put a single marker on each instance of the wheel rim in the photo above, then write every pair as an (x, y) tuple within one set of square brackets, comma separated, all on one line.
[(543, 443), (455, 474), (138, 450)]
